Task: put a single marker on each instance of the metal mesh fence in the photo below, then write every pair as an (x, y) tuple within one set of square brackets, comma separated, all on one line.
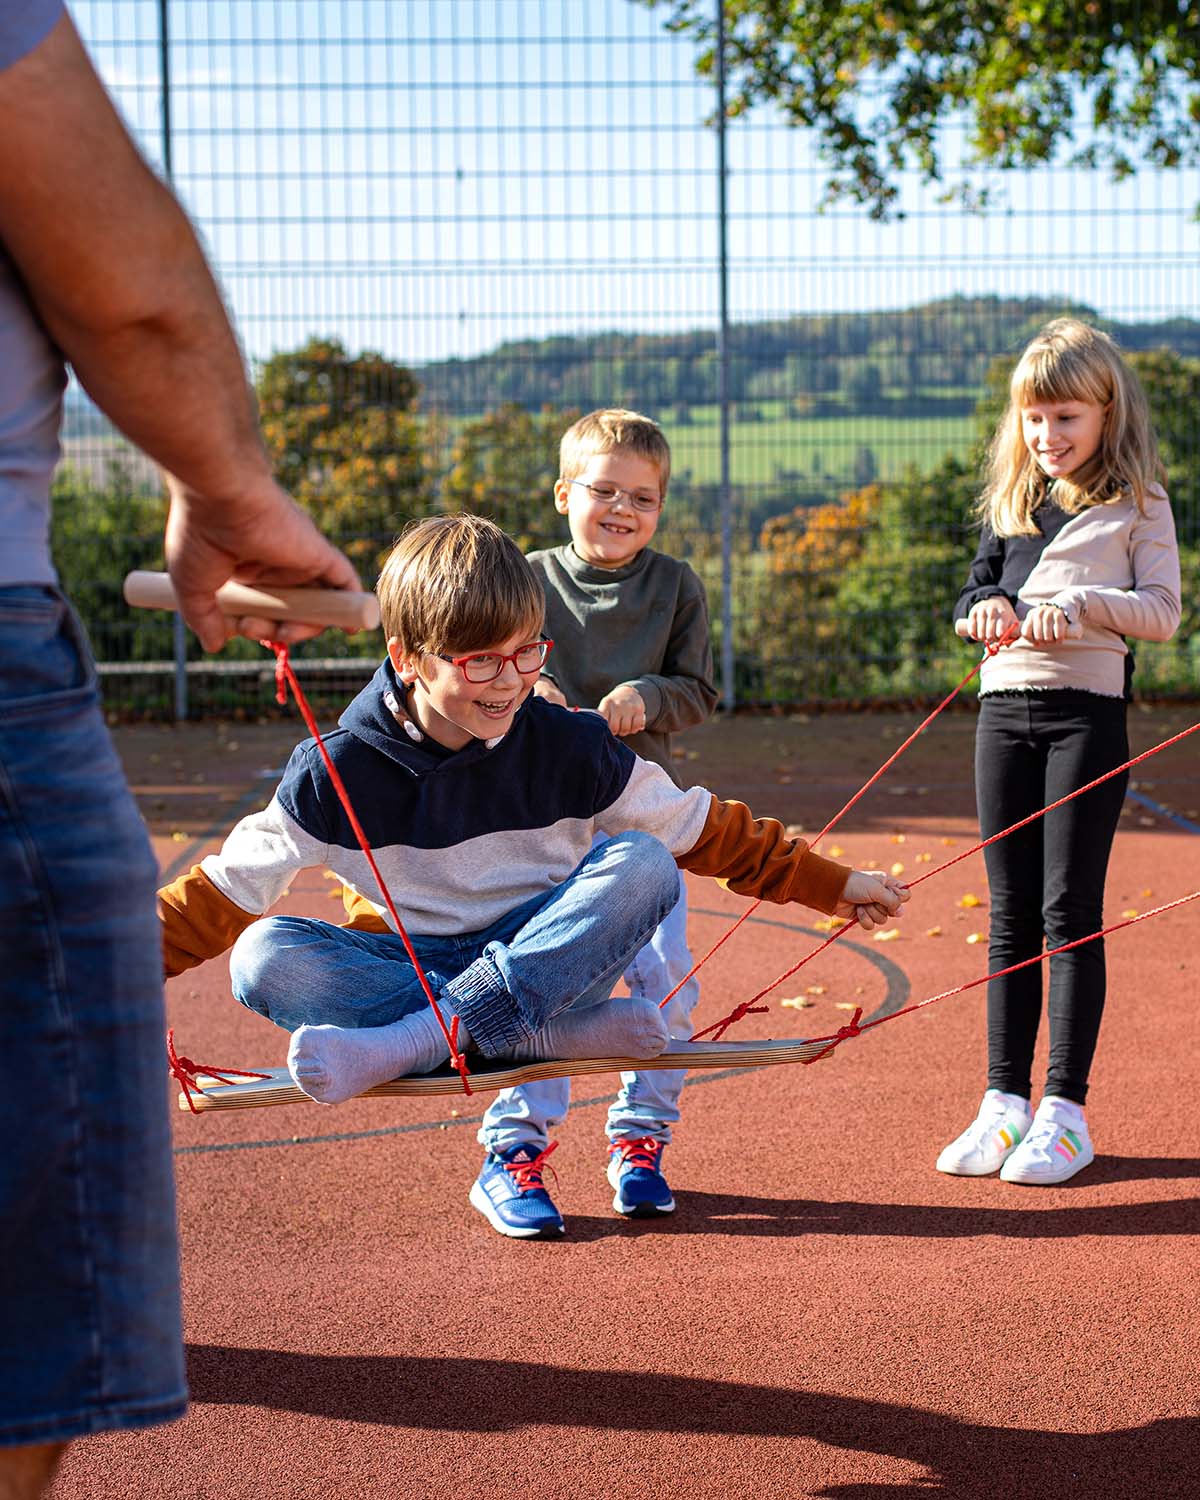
[(445, 227)]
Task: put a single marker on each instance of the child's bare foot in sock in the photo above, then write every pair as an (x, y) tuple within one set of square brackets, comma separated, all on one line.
[(618, 1028), (334, 1063)]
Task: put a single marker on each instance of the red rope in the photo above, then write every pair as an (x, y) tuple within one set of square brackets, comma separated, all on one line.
[(1041, 813), (854, 1029), (720, 1027), (187, 1073), (743, 1009), (285, 678)]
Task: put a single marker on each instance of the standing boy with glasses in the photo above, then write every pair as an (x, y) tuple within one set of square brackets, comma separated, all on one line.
[(481, 804), (632, 642)]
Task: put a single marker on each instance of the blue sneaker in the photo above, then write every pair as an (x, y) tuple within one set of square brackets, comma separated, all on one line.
[(635, 1171), (510, 1195)]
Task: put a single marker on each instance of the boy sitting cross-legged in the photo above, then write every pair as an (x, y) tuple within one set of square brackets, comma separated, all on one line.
[(631, 640), (481, 804)]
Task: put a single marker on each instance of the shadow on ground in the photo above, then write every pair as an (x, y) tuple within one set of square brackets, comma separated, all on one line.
[(476, 1395)]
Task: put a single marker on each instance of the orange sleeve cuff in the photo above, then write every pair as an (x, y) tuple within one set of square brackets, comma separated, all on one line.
[(755, 857), (360, 914), (198, 921)]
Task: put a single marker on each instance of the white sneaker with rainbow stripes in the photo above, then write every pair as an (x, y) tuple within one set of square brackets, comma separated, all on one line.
[(1058, 1145), (991, 1137)]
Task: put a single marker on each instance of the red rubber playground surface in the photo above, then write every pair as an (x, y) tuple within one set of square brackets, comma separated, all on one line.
[(825, 1315)]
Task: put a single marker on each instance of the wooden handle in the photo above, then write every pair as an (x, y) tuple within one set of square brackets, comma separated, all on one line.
[(1074, 630), (339, 607)]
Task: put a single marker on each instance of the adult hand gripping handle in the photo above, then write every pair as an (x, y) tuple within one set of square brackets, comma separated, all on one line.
[(338, 607)]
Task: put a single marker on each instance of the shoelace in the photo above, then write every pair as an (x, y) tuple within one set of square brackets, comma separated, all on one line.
[(527, 1175), (639, 1153)]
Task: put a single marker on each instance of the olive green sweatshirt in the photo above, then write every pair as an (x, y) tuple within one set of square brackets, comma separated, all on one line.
[(645, 624)]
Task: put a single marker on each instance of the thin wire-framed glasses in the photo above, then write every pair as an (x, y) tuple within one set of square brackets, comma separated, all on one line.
[(608, 494), (486, 666)]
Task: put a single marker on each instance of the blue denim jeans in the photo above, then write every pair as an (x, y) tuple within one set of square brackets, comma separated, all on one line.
[(90, 1330), (648, 1103), (564, 949)]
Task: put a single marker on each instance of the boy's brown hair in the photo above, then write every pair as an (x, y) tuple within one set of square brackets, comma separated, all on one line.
[(608, 429), (457, 582)]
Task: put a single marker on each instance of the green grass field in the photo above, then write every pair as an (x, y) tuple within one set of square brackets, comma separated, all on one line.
[(763, 452)]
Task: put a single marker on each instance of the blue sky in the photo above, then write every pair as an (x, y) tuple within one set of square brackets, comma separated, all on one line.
[(434, 177)]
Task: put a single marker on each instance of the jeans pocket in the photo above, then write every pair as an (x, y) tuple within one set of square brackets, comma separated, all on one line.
[(45, 659)]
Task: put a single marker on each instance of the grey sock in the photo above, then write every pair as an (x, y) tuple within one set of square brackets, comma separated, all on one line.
[(618, 1028), (334, 1063)]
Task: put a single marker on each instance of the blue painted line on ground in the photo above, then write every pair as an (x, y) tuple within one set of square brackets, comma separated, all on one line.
[(1163, 812)]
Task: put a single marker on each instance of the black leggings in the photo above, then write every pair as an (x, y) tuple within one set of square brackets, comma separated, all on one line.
[(1047, 881)]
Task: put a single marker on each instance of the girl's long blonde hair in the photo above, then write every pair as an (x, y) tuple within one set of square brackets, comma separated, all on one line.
[(1070, 361)]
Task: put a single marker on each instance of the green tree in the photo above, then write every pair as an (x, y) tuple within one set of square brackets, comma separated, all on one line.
[(346, 442), (1113, 84), (504, 465)]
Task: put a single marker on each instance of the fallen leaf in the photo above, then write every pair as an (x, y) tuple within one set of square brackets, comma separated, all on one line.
[(797, 1002), (1148, 822), (827, 924), (948, 843), (897, 868), (976, 937), (924, 859), (179, 838), (889, 936), (858, 989), (1147, 894), (897, 838), (794, 830), (815, 989), (846, 1005), (836, 851), (969, 900), (933, 932), (1131, 911)]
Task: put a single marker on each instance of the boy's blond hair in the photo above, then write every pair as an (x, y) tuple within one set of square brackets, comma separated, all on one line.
[(607, 430), (457, 582), (1071, 361)]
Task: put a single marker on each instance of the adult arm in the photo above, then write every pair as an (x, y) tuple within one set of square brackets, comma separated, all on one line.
[(119, 280)]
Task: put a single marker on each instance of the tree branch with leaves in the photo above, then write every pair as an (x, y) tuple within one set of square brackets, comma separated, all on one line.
[(1098, 83)]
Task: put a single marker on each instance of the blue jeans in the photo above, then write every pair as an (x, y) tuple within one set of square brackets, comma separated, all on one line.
[(90, 1330), (564, 949), (648, 1103)]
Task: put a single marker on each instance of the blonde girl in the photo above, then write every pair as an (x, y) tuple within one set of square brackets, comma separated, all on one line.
[(1078, 548)]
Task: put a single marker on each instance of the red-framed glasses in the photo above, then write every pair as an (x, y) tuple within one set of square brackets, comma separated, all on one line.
[(485, 666)]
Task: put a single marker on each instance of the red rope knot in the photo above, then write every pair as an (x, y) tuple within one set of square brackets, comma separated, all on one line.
[(457, 1059), (527, 1175), (281, 669), (719, 1028), (1010, 635), (842, 1034), (188, 1073)]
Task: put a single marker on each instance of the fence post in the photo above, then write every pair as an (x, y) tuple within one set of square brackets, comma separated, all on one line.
[(179, 630), (728, 693)]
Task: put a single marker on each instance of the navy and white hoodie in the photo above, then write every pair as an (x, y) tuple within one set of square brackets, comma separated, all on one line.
[(462, 837)]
